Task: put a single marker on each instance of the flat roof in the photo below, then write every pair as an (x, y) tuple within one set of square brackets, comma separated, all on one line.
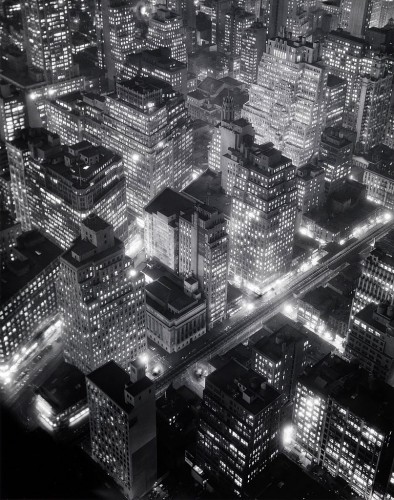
[(207, 189), (169, 202), (65, 387), (34, 253), (233, 373), (111, 379), (271, 345)]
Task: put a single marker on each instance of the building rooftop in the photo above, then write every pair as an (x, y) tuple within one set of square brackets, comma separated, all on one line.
[(273, 345), (65, 387), (95, 223), (207, 189), (243, 385), (309, 171), (333, 80), (34, 252), (169, 202), (111, 379), (167, 295)]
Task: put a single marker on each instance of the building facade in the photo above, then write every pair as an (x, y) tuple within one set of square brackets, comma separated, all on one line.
[(123, 427), (262, 184), (101, 298), (28, 295), (65, 186), (238, 433), (287, 104), (175, 315)]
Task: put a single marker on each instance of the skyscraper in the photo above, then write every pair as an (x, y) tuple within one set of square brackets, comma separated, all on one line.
[(253, 41), (344, 56), (116, 34), (238, 433), (343, 423), (335, 157), (28, 295), (146, 122), (123, 426), (166, 30), (371, 340), (335, 100), (48, 39), (229, 133), (262, 184), (373, 109), (281, 358), (192, 239), (376, 283), (356, 16), (287, 104), (12, 112), (101, 298), (65, 184), (237, 20)]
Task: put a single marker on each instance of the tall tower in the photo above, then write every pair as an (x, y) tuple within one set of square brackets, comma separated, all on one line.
[(146, 122), (262, 184), (116, 34), (287, 105), (102, 300), (48, 39), (229, 133), (122, 412), (166, 30)]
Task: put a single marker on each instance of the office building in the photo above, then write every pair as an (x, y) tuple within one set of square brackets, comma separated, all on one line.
[(290, 115), (191, 239), (310, 187), (146, 122), (60, 401), (382, 11), (28, 294), (379, 176), (175, 312), (262, 184), (371, 340), (123, 426), (157, 63), (376, 283), (253, 40), (238, 433), (229, 133), (356, 16), (281, 357), (345, 56), (373, 109), (343, 422), (12, 112), (335, 157), (9, 232), (19, 155), (67, 184), (237, 21), (117, 35), (166, 30), (335, 100), (48, 40), (101, 298)]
